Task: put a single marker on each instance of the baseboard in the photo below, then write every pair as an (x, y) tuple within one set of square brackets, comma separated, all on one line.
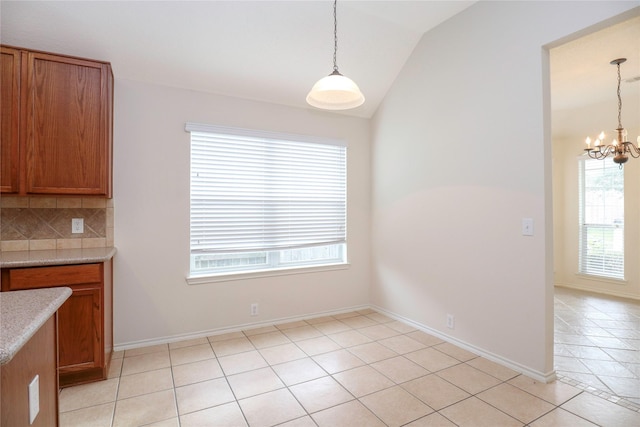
[(515, 366), (599, 291), (237, 328)]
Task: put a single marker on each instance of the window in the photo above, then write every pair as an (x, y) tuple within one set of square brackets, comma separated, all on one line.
[(265, 201), (601, 218)]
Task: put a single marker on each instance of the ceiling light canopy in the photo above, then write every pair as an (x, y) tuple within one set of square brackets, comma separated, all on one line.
[(335, 91), (619, 148)]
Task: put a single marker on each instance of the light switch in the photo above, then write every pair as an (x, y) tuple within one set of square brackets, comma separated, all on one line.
[(34, 398), (527, 226)]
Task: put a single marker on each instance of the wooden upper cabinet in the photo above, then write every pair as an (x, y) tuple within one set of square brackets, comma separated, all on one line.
[(65, 125), (10, 119)]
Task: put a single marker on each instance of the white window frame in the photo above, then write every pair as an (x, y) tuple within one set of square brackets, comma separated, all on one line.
[(324, 248), (605, 216)]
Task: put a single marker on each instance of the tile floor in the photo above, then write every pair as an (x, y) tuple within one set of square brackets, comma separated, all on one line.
[(355, 369), (597, 343)]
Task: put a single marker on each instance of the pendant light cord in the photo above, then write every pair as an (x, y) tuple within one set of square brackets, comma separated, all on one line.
[(335, 38), (619, 99)]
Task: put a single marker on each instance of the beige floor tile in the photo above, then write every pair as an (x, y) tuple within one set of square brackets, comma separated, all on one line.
[(226, 336), (254, 382), (242, 362), (291, 325), (432, 420), (601, 412), (232, 346), (196, 372), (560, 417), (228, 414), (305, 421), (298, 371), (473, 412), (555, 392), (401, 327), (261, 330), (424, 338), (198, 396), (358, 322), (501, 372), (321, 319), (379, 317), (282, 353), (349, 338), (399, 369), (146, 350), (431, 359), (145, 362), (86, 395), (378, 332), (402, 344), (332, 327), (435, 392), (366, 311), (318, 345), (350, 414), (337, 361), (468, 378), (171, 422), (269, 339), (145, 409), (93, 416), (372, 352), (115, 368), (515, 402), (363, 380), (320, 394), (195, 353), (455, 351), (145, 382), (302, 333), (117, 354), (395, 407), (188, 343), (346, 315), (271, 408)]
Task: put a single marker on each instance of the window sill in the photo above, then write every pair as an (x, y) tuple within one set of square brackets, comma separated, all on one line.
[(595, 278), (225, 277)]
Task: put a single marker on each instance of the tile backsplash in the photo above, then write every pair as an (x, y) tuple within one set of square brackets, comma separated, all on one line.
[(32, 223)]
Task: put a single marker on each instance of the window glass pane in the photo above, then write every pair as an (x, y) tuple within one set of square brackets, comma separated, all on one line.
[(601, 248)]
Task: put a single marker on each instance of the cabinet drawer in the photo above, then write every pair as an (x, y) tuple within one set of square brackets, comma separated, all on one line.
[(66, 275)]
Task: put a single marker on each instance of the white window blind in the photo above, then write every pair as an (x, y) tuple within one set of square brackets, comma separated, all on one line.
[(257, 191), (601, 218)]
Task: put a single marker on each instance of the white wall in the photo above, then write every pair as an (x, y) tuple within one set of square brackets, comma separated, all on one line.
[(461, 153), (151, 187)]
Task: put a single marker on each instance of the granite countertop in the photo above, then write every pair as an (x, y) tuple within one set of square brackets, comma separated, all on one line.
[(22, 313), (55, 257)]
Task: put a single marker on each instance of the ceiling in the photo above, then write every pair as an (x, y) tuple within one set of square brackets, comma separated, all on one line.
[(274, 51), (270, 51)]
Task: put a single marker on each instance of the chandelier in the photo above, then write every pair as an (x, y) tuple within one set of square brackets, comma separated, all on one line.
[(619, 148), (335, 91)]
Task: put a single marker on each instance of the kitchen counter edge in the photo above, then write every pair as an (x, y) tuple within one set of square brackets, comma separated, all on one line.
[(22, 313), (41, 258)]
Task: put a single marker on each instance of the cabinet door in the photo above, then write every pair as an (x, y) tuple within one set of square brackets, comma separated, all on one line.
[(80, 330), (67, 117), (10, 119)]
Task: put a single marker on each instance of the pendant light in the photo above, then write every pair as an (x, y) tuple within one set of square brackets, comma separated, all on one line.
[(620, 148), (335, 91)]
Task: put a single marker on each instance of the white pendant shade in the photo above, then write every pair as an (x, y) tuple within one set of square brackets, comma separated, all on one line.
[(335, 92)]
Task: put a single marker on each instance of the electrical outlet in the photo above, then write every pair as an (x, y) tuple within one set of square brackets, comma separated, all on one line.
[(34, 398), (527, 226), (450, 321), (77, 225), (254, 309)]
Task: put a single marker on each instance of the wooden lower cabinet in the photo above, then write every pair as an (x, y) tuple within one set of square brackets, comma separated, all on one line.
[(37, 357), (85, 322)]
